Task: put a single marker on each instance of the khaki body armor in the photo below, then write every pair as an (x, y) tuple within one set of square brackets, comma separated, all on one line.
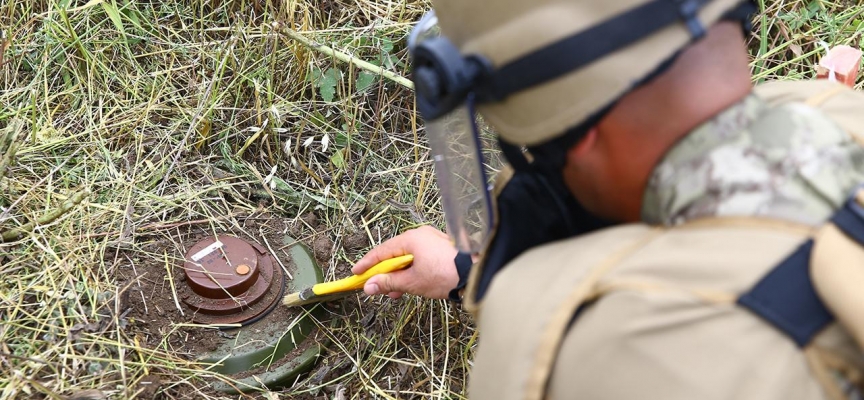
[(643, 312)]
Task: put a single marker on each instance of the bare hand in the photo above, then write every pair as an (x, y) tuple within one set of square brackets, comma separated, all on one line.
[(432, 275)]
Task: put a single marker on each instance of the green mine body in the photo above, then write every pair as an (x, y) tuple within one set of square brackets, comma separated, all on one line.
[(267, 342)]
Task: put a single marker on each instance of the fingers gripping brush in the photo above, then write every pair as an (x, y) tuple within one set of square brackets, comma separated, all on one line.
[(333, 290)]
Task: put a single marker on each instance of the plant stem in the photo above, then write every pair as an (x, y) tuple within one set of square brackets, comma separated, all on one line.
[(17, 233), (6, 159), (8, 147), (347, 58)]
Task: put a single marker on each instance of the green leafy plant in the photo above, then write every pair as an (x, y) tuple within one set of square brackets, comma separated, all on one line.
[(326, 82)]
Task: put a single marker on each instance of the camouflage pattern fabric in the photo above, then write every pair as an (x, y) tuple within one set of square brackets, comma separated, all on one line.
[(788, 162)]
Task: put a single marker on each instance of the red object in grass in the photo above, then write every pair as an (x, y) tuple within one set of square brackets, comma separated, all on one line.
[(841, 63)]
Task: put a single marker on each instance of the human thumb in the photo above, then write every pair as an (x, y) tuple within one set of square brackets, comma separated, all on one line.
[(380, 284)]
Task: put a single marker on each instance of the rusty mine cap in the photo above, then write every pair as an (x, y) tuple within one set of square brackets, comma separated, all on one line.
[(268, 351), (213, 267), (230, 281)]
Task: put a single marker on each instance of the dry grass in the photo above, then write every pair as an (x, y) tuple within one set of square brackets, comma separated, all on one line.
[(137, 119)]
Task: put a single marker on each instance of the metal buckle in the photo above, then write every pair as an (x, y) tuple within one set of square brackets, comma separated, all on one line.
[(689, 11), (854, 203)]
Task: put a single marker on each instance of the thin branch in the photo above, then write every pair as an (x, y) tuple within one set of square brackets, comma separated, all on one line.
[(8, 147), (347, 58), (7, 159), (17, 233)]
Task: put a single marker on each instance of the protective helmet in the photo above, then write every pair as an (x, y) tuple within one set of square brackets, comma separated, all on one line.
[(540, 72)]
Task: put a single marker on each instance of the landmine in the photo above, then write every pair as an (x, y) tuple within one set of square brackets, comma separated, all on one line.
[(237, 285)]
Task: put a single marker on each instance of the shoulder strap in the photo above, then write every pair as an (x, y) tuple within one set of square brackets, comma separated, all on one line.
[(821, 97), (556, 329), (541, 296), (787, 299), (791, 299)]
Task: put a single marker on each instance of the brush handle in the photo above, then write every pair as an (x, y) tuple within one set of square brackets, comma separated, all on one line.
[(355, 282)]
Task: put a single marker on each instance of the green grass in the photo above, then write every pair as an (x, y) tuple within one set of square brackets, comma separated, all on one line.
[(162, 115)]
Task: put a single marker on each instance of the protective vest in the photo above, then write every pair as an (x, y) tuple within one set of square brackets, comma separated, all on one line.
[(716, 308)]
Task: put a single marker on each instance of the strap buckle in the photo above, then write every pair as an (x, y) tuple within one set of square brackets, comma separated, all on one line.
[(855, 203), (850, 217), (689, 11)]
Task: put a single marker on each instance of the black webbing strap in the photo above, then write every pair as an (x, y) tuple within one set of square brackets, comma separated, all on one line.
[(786, 297), (742, 13), (850, 220), (585, 47)]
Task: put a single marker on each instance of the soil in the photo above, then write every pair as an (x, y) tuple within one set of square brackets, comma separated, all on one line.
[(311, 231), (355, 242), (322, 246), (311, 220)]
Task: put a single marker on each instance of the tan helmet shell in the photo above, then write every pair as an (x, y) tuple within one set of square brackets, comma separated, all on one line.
[(503, 31)]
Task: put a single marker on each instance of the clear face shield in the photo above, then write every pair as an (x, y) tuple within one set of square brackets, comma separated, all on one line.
[(456, 150)]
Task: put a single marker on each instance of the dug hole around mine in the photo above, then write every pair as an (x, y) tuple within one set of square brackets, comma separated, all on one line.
[(236, 286)]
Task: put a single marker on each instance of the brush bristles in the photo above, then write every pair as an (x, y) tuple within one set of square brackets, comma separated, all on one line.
[(297, 299), (291, 299)]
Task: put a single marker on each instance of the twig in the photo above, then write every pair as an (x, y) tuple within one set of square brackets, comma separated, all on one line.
[(273, 253), (310, 172), (173, 289), (156, 226), (138, 281), (4, 44), (14, 204), (365, 65), (10, 355), (7, 159), (17, 233), (8, 147)]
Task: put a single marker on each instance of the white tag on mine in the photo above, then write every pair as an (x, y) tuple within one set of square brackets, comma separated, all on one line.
[(207, 250)]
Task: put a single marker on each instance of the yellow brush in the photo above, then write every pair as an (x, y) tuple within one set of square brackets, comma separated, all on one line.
[(343, 287)]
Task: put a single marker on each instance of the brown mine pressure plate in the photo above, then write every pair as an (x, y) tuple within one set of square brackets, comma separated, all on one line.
[(230, 281)]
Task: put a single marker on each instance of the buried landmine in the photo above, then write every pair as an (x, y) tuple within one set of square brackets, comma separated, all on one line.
[(227, 314)]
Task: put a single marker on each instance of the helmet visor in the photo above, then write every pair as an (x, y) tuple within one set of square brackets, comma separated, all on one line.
[(459, 169), (461, 177)]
